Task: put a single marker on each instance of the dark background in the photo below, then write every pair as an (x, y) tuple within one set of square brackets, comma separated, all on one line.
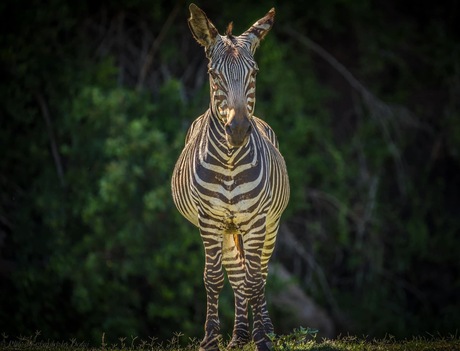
[(96, 97)]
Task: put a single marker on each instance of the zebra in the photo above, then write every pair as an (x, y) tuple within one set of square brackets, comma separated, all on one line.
[(231, 181)]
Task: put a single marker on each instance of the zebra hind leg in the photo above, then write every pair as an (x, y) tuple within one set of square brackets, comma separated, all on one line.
[(268, 325), (256, 268), (269, 246), (267, 322), (262, 322), (233, 259), (240, 335)]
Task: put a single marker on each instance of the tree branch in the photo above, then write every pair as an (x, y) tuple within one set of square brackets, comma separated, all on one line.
[(379, 111), (53, 144), (290, 242), (156, 44)]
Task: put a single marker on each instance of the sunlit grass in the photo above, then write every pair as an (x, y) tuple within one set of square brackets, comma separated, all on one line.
[(300, 340)]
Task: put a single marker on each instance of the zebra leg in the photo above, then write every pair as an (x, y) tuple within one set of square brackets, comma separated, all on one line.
[(213, 281), (233, 259), (255, 287), (260, 314), (240, 335), (269, 246), (268, 325)]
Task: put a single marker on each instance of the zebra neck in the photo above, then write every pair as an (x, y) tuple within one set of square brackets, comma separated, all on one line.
[(217, 147)]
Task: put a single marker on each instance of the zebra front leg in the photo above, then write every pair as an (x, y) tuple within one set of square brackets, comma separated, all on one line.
[(233, 259), (213, 282), (269, 246), (255, 289)]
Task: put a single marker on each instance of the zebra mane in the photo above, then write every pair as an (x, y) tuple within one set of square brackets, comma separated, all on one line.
[(228, 32)]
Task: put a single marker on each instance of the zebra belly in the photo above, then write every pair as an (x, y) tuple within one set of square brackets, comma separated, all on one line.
[(232, 208), (223, 206)]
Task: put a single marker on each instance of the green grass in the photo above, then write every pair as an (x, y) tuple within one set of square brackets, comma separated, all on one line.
[(300, 340)]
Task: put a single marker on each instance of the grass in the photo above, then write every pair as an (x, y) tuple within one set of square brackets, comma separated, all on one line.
[(300, 340)]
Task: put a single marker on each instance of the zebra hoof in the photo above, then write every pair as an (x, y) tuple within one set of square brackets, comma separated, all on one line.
[(237, 342), (264, 346), (210, 344), (209, 348)]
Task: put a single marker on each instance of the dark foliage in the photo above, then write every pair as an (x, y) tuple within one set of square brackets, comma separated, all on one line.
[(95, 101)]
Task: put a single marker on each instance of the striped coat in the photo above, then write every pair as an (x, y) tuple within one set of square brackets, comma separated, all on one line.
[(231, 182)]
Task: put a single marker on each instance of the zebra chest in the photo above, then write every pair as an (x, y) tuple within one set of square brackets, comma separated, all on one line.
[(231, 195)]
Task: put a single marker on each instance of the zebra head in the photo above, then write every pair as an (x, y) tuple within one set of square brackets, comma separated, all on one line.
[(232, 71)]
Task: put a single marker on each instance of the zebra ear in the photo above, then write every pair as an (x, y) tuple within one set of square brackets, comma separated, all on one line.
[(259, 30), (201, 27)]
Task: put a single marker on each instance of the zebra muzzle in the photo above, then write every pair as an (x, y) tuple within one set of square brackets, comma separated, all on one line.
[(237, 130)]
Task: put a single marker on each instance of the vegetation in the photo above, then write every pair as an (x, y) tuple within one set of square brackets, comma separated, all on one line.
[(96, 98), (300, 340)]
